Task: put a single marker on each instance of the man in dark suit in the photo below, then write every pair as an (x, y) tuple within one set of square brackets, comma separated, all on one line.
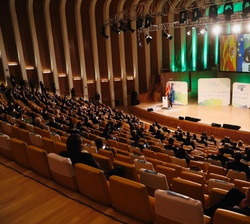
[(238, 165)]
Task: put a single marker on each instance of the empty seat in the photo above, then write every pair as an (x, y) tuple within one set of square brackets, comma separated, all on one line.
[(189, 188), (169, 172), (7, 129), (235, 174), (214, 183), (197, 178), (131, 198), (180, 162), (174, 208), (62, 171), (55, 137), (60, 147), (19, 152), (5, 146), (217, 176), (128, 169), (90, 148), (92, 183), (39, 161), (223, 216), (240, 184), (48, 145), (216, 169), (163, 157), (36, 140), (123, 146), (153, 180), (104, 162), (148, 153), (25, 136), (143, 164), (123, 158)]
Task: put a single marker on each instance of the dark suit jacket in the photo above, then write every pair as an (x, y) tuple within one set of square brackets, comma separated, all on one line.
[(85, 158)]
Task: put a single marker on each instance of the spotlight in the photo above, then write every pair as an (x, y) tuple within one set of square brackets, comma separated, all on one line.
[(228, 10), (115, 28), (168, 36), (183, 16), (189, 32), (245, 8), (122, 26), (129, 26), (148, 22), (139, 23), (213, 13), (202, 31), (196, 14), (236, 28), (217, 29), (148, 38), (103, 32)]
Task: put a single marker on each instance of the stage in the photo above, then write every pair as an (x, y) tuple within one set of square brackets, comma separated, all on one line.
[(207, 115)]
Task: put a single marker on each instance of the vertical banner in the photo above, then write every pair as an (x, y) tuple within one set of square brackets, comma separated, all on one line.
[(214, 91), (179, 92), (241, 95)]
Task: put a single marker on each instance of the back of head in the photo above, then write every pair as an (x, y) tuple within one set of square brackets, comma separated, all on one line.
[(74, 143)]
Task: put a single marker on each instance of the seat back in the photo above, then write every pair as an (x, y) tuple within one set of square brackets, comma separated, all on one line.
[(25, 136), (169, 172), (223, 216), (123, 146), (15, 130), (177, 167), (215, 195), (214, 183), (174, 208), (92, 183), (5, 146), (217, 176), (104, 162), (29, 127), (7, 129), (148, 153), (143, 164), (55, 137), (153, 180), (42, 132), (36, 140), (129, 170), (90, 148), (131, 198), (62, 171), (241, 183), (189, 188), (48, 145), (216, 169), (108, 154), (180, 162), (39, 160), (197, 178), (235, 174), (135, 150), (19, 152), (60, 147), (123, 158), (163, 157)]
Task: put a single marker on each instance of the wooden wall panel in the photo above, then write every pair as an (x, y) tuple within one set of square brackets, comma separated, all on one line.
[(87, 39)]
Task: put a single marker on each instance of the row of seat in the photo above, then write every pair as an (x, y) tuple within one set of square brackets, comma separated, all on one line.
[(122, 194)]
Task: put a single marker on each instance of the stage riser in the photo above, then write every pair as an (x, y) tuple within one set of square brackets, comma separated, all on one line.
[(195, 127)]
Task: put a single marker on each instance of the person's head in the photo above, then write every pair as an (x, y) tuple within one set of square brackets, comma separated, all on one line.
[(171, 141), (37, 120), (98, 143), (74, 143)]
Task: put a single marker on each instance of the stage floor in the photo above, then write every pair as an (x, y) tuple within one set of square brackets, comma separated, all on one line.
[(207, 114)]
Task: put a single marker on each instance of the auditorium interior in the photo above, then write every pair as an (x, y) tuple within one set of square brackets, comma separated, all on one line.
[(154, 68)]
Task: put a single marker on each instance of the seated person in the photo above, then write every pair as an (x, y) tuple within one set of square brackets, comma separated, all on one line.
[(181, 153), (77, 155), (170, 145), (238, 165), (220, 157), (234, 200)]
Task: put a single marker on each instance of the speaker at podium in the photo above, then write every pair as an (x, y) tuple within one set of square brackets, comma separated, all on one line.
[(165, 102)]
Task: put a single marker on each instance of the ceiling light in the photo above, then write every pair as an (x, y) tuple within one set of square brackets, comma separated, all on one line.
[(148, 38)]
